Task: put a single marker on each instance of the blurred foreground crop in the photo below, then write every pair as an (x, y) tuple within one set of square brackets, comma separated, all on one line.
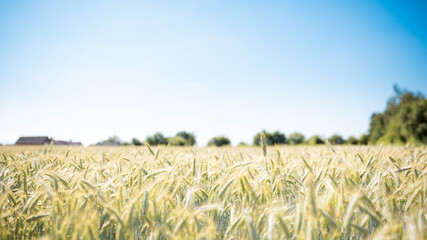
[(299, 192)]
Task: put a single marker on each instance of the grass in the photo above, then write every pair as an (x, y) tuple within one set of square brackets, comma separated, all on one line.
[(321, 192)]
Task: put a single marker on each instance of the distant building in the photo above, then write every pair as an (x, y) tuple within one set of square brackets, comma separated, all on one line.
[(40, 140), (44, 140), (110, 144), (67, 143)]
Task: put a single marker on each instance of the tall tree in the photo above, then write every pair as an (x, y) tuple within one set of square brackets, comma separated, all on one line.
[(403, 120)]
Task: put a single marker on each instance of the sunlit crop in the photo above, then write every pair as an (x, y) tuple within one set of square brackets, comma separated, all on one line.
[(213, 193)]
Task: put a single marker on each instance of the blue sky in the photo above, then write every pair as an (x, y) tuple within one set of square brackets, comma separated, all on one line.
[(86, 70)]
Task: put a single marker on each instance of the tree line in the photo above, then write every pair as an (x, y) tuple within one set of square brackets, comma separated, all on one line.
[(184, 138), (403, 121)]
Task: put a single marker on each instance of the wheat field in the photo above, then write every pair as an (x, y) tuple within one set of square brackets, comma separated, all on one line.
[(302, 192)]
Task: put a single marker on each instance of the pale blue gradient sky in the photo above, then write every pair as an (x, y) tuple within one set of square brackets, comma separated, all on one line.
[(86, 70)]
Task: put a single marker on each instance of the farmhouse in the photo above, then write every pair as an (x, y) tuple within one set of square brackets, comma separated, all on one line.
[(40, 140), (67, 143), (44, 140)]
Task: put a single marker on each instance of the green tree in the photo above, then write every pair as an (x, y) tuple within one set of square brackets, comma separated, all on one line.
[(376, 127), (315, 140), (413, 117), (257, 138), (177, 141), (189, 137), (271, 138), (156, 139), (113, 140), (364, 139), (389, 126), (136, 142), (352, 140), (409, 125), (336, 139), (296, 138), (219, 141), (277, 138)]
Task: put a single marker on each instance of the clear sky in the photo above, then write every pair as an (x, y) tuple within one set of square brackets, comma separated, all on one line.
[(87, 70)]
